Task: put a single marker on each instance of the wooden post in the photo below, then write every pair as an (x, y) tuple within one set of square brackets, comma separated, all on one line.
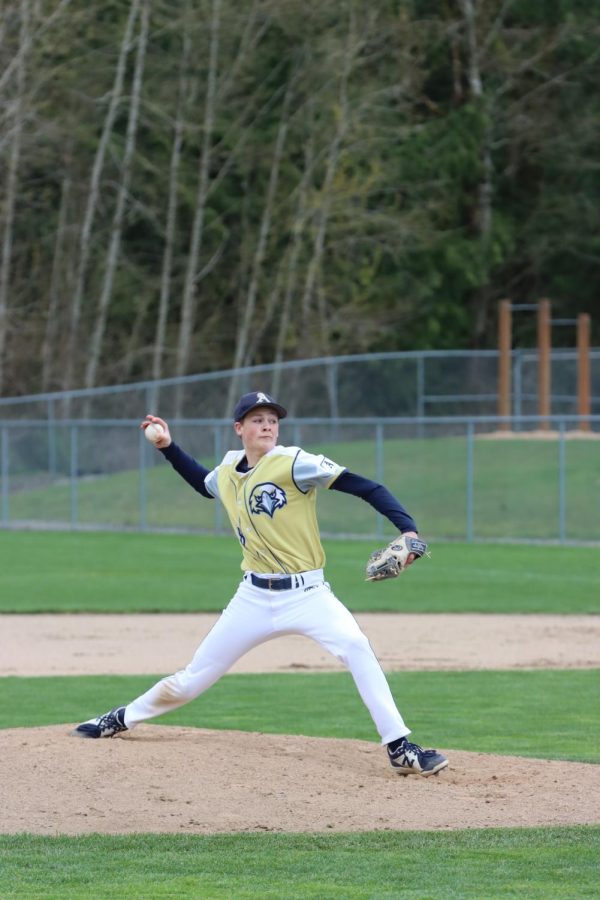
[(544, 347), (504, 372), (583, 369)]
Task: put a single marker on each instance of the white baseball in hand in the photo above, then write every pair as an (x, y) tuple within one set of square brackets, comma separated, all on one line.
[(154, 432)]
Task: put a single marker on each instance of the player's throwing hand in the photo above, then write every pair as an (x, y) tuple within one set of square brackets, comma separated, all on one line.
[(160, 440)]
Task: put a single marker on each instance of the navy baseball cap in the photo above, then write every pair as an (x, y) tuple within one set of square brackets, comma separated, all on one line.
[(254, 399)]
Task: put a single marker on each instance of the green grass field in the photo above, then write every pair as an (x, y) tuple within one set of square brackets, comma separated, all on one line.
[(550, 714), (108, 572), (515, 862), (553, 714), (515, 485)]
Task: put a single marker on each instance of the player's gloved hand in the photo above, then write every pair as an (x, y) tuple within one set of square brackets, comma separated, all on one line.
[(393, 559), (411, 556), (165, 440)]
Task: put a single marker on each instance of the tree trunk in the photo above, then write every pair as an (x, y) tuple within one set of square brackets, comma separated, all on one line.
[(92, 200), (485, 187), (95, 348), (298, 227), (49, 354), (266, 317), (189, 300), (247, 319), (134, 349), (468, 11), (485, 193), (165, 281), (323, 212), (12, 179)]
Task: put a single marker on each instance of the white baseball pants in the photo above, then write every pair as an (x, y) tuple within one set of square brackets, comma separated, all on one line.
[(256, 615)]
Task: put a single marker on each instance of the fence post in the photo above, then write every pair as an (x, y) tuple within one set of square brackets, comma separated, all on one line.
[(518, 390), (151, 399), (504, 373), (584, 404), (544, 363), (332, 388), (379, 473), (143, 444), (218, 457), (470, 441), (5, 477), (73, 476), (51, 437), (562, 484), (420, 393)]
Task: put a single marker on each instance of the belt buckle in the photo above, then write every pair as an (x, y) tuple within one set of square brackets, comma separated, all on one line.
[(269, 582)]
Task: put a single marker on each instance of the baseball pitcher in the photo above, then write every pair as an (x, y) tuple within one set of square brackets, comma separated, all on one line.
[(269, 494)]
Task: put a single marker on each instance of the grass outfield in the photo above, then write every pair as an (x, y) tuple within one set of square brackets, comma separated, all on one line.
[(516, 862), (108, 572), (549, 714)]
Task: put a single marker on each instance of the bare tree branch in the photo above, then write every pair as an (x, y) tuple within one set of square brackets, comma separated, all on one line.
[(30, 39)]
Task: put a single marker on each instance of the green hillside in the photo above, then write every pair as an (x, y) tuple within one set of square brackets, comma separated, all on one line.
[(515, 492)]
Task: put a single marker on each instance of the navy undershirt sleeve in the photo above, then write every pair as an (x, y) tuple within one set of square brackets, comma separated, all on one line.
[(378, 496), (190, 470)]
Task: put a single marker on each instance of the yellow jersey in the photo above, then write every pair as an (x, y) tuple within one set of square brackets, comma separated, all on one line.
[(272, 507)]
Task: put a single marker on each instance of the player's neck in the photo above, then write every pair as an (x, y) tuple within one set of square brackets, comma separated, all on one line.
[(253, 457)]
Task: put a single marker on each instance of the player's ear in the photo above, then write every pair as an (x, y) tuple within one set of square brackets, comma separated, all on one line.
[(237, 427)]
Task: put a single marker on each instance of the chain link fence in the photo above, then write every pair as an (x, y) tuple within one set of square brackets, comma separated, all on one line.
[(422, 423), (424, 383)]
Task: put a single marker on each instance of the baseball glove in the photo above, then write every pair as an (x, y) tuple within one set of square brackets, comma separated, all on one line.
[(391, 561)]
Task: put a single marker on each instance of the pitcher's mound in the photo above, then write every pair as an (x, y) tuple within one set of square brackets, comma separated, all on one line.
[(189, 780)]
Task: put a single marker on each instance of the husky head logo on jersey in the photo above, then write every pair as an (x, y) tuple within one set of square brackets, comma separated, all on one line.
[(267, 498)]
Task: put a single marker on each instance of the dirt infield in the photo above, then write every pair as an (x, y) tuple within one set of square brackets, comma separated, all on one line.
[(186, 780), (168, 779), (151, 644)]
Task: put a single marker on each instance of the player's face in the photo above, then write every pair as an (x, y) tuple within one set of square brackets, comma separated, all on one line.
[(259, 431)]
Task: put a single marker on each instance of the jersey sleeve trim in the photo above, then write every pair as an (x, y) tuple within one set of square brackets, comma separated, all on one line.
[(311, 471), (335, 478), (293, 477), (211, 483)]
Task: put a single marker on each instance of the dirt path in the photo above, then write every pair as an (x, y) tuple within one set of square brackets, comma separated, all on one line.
[(186, 780), (151, 644)]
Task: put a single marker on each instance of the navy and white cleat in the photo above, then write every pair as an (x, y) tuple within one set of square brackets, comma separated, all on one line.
[(410, 759), (108, 725)]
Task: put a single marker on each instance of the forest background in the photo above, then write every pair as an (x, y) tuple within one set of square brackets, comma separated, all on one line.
[(203, 184)]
